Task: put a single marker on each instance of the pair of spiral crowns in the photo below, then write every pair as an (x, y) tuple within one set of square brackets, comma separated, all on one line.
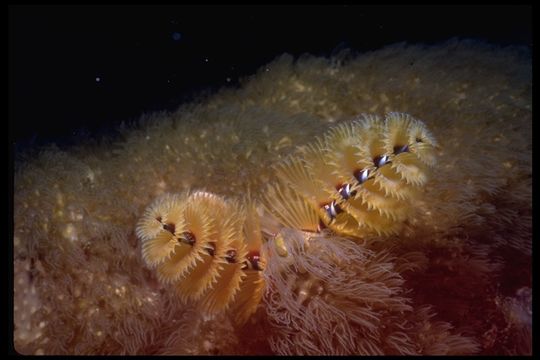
[(358, 179)]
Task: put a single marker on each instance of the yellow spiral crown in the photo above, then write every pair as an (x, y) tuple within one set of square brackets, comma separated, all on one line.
[(357, 179), (208, 247)]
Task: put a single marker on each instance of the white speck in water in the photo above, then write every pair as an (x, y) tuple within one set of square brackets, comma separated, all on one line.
[(98, 79), (228, 79)]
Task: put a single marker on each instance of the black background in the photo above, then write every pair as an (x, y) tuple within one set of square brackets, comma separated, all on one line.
[(57, 52)]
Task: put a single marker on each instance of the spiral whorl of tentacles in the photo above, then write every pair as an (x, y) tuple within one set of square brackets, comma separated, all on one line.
[(358, 179), (208, 247)]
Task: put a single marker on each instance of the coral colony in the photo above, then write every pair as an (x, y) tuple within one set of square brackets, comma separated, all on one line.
[(375, 204)]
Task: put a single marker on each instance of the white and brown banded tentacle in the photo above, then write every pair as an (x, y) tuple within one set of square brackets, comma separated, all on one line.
[(191, 242), (208, 248), (297, 174), (252, 262), (367, 170), (157, 229)]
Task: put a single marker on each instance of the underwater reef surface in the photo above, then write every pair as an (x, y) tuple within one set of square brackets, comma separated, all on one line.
[(455, 279)]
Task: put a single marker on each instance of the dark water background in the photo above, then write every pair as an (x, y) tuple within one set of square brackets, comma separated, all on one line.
[(78, 71)]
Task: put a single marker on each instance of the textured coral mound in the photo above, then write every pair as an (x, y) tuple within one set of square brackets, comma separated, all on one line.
[(454, 278)]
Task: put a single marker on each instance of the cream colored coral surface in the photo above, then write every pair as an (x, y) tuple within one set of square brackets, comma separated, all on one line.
[(455, 279)]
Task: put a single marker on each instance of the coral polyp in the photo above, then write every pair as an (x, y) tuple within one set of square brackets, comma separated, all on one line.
[(334, 296)]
